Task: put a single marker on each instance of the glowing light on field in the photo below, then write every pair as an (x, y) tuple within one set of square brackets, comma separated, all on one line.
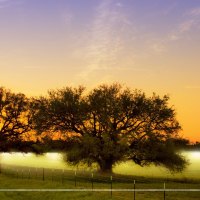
[(195, 154), (10, 156), (55, 160), (53, 156), (48, 160)]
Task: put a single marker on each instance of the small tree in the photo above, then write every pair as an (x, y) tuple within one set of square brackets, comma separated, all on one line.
[(112, 124), (14, 118)]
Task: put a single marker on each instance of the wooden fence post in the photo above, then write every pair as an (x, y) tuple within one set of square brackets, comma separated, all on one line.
[(52, 175), (75, 178), (164, 190), (36, 172), (29, 174), (134, 190), (111, 186), (92, 181), (43, 174), (62, 176)]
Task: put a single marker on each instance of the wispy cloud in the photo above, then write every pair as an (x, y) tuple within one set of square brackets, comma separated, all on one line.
[(186, 26), (119, 4), (67, 16), (190, 22), (193, 20), (170, 8), (158, 46), (4, 3), (182, 28), (8, 3), (106, 41), (194, 12)]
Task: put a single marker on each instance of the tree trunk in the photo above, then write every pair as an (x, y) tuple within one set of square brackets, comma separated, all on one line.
[(106, 167)]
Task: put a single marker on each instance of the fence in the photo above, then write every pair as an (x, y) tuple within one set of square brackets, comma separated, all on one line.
[(81, 181)]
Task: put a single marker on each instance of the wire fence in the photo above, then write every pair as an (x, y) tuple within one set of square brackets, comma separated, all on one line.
[(82, 181)]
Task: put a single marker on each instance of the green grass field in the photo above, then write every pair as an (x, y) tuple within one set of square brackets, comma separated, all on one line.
[(11, 181)]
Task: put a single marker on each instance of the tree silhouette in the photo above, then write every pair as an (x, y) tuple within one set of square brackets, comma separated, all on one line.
[(112, 124), (14, 118)]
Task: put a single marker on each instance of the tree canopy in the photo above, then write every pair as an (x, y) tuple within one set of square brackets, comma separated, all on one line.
[(15, 118), (111, 124)]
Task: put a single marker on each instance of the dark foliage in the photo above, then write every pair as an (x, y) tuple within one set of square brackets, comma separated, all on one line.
[(15, 118), (112, 124)]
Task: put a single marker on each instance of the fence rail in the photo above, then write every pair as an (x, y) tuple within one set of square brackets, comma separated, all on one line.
[(87, 181)]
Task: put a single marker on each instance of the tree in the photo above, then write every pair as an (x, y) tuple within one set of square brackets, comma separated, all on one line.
[(181, 143), (14, 118), (112, 124)]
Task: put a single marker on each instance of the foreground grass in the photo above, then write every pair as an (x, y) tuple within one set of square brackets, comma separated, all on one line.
[(10, 182)]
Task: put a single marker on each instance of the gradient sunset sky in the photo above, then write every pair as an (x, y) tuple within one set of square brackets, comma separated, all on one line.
[(152, 45)]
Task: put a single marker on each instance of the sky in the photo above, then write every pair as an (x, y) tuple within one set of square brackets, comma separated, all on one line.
[(152, 45)]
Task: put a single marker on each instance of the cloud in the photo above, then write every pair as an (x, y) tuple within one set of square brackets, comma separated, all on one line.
[(190, 22), (194, 12), (106, 38), (158, 46), (186, 25), (8, 3), (4, 3), (169, 8), (67, 17), (119, 4), (173, 37)]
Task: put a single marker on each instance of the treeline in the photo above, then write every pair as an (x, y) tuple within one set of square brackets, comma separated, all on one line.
[(17, 127), (186, 144), (105, 126)]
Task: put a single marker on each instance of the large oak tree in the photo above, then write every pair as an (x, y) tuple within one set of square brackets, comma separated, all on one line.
[(111, 124)]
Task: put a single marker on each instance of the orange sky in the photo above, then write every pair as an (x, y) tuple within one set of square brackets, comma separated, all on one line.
[(148, 45)]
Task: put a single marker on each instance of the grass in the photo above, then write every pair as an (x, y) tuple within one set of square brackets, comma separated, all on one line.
[(26, 180)]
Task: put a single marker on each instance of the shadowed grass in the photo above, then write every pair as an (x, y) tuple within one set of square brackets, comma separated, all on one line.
[(9, 182)]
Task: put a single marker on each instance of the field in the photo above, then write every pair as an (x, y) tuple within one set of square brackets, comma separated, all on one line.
[(55, 160), (19, 178)]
